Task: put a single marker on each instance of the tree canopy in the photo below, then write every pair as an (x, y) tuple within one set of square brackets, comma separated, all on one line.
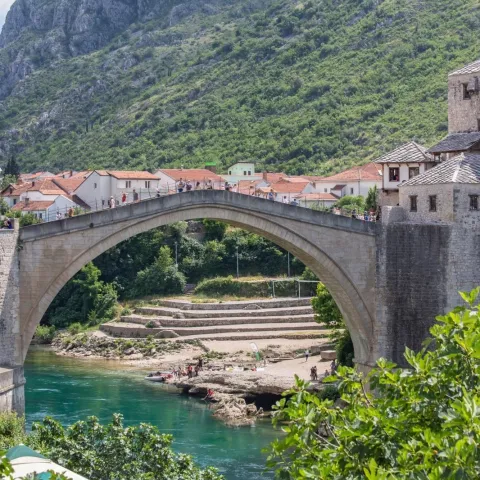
[(423, 422)]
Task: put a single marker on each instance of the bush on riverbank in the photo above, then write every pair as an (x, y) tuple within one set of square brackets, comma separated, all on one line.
[(422, 422), (252, 289), (138, 452), (44, 334), (12, 430)]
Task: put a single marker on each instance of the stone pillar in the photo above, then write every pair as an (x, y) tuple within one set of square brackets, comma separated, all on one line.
[(11, 360)]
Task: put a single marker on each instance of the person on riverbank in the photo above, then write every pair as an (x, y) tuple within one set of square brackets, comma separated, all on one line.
[(314, 373), (200, 363), (307, 354), (190, 371), (197, 369)]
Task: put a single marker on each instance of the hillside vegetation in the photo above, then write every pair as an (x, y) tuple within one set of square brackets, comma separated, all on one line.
[(312, 86)]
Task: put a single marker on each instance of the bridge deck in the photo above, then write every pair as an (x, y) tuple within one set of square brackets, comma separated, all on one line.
[(186, 200)]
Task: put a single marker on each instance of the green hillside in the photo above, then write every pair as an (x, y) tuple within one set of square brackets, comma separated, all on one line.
[(299, 87)]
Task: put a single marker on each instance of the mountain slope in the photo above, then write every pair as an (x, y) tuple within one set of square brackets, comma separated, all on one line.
[(300, 87)]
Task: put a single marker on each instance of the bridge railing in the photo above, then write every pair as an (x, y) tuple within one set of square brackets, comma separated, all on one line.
[(127, 196)]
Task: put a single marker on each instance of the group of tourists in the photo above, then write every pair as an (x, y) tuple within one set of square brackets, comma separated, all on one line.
[(188, 186), (7, 224), (190, 371)]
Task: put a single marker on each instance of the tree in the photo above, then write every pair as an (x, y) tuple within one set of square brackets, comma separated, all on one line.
[(421, 423), (113, 451), (12, 168), (371, 200), (328, 314), (7, 180), (160, 277), (351, 202), (214, 230)]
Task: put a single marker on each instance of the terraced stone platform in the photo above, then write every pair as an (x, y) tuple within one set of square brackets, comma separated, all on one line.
[(278, 318)]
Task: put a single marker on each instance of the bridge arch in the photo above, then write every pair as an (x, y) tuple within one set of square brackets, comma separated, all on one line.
[(339, 250)]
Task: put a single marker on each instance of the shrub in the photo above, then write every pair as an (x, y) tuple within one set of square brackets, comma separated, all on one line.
[(138, 452), (44, 334), (75, 328), (421, 423), (151, 324), (12, 430)]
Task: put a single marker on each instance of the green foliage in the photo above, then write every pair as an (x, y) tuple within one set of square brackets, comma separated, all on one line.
[(126, 453), (214, 230), (44, 334), (421, 423), (344, 349), (11, 168), (290, 85), (28, 219), (12, 430), (160, 278), (6, 469), (7, 180), (327, 312), (86, 300), (350, 203), (150, 324), (371, 200), (75, 328)]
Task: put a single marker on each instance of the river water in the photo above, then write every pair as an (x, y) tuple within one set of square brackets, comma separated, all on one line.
[(72, 389)]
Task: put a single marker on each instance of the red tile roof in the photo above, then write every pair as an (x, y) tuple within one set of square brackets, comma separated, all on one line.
[(69, 185), (273, 177), (293, 180), (17, 189), (317, 196), (287, 187), (32, 206), (313, 178), (192, 174), (45, 186), (369, 172), (133, 175)]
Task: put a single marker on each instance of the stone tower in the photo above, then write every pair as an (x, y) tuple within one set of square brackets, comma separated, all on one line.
[(464, 99)]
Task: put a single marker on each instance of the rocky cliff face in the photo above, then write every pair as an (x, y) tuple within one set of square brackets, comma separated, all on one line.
[(37, 32)]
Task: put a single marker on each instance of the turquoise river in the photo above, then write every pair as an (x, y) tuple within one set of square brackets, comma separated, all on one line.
[(72, 389)]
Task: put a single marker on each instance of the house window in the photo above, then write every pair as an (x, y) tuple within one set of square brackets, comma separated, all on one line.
[(229, 172), (40, 215), (432, 203), (473, 202), (394, 174), (325, 190), (147, 184), (14, 201), (128, 184), (436, 157), (351, 191), (413, 172), (466, 93), (249, 172), (413, 203), (244, 173)]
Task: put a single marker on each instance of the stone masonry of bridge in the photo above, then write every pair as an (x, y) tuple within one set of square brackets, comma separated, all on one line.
[(389, 280)]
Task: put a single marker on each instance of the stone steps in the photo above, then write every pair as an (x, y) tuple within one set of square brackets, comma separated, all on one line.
[(133, 330), (246, 313), (204, 322), (239, 305)]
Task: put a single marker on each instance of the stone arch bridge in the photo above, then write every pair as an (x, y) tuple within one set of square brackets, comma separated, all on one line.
[(351, 257)]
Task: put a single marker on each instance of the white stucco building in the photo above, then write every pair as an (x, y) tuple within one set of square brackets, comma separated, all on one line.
[(100, 185), (45, 210), (241, 171), (399, 166), (169, 177), (354, 181)]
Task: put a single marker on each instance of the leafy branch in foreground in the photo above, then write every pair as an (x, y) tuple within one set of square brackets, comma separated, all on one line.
[(422, 423), (113, 451)]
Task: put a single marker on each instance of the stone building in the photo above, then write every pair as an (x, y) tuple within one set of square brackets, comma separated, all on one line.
[(450, 192), (400, 165)]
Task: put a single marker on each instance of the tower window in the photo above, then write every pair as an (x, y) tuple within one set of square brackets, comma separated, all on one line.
[(413, 203), (394, 174), (466, 93), (432, 203), (413, 172), (473, 202)]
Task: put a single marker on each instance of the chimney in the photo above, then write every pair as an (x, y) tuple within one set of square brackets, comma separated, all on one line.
[(33, 184), (27, 200), (71, 173), (265, 176), (20, 181)]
